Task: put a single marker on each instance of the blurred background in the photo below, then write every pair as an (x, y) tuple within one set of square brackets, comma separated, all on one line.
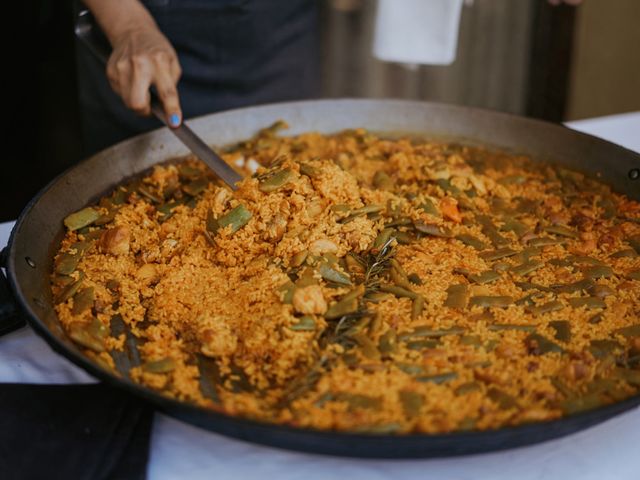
[(520, 56)]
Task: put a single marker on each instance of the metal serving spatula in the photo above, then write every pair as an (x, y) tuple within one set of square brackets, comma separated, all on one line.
[(87, 31)]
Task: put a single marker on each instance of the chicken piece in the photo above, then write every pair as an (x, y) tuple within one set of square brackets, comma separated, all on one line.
[(147, 273), (217, 339), (309, 300), (575, 371), (323, 246), (276, 227), (115, 241)]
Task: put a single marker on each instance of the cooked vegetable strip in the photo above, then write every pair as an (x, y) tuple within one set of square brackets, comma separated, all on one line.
[(563, 330), (526, 268), (498, 254), (457, 296), (276, 180), (548, 307), (491, 301), (487, 276), (333, 275), (81, 219), (237, 218)]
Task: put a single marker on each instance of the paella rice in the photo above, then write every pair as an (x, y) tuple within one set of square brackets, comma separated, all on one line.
[(358, 283)]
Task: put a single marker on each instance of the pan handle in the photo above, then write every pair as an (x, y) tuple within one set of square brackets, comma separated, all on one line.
[(87, 31), (10, 320)]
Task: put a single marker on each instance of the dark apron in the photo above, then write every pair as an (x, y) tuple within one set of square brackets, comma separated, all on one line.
[(233, 53)]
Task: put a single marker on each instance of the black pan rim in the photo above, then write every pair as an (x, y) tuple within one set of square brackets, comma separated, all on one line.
[(293, 438)]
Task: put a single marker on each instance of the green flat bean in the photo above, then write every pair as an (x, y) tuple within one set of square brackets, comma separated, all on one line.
[(502, 399), (417, 307), (81, 335), (587, 302), (67, 263), (562, 231), (489, 229), (82, 300), (602, 348), (545, 241), (457, 296), (512, 180), (471, 241), (608, 207), (580, 285), (532, 286), (438, 379), (474, 340), (346, 305), (488, 301), (276, 180), (82, 218), (445, 184), (359, 401), (625, 253), (411, 403), (410, 368), (332, 275), (382, 238), (237, 218), (563, 330), (631, 331), (530, 299), (510, 224), (485, 277), (630, 376), (422, 344), (634, 274), (548, 307), (308, 170), (634, 242), (382, 181), (498, 254), (70, 290), (209, 378), (427, 332), (499, 327), (598, 271), (539, 345), (163, 365), (581, 404), (428, 207), (467, 388), (306, 323), (601, 291), (404, 238), (196, 187), (398, 291), (431, 229), (388, 342), (596, 319), (527, 267)]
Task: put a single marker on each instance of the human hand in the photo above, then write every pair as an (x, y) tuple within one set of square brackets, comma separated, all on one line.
[(142, 56)]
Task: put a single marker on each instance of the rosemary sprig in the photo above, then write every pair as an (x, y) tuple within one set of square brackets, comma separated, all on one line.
[(375, 264)]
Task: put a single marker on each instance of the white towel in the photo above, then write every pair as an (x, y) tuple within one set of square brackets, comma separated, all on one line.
[(417, 31)]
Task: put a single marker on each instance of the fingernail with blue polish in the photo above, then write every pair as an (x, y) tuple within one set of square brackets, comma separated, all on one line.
[(174, 120)]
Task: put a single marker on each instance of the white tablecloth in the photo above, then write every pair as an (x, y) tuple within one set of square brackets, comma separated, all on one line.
[(607, 451)]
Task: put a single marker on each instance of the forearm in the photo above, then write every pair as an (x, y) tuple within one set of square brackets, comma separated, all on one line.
[(119, 17)]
